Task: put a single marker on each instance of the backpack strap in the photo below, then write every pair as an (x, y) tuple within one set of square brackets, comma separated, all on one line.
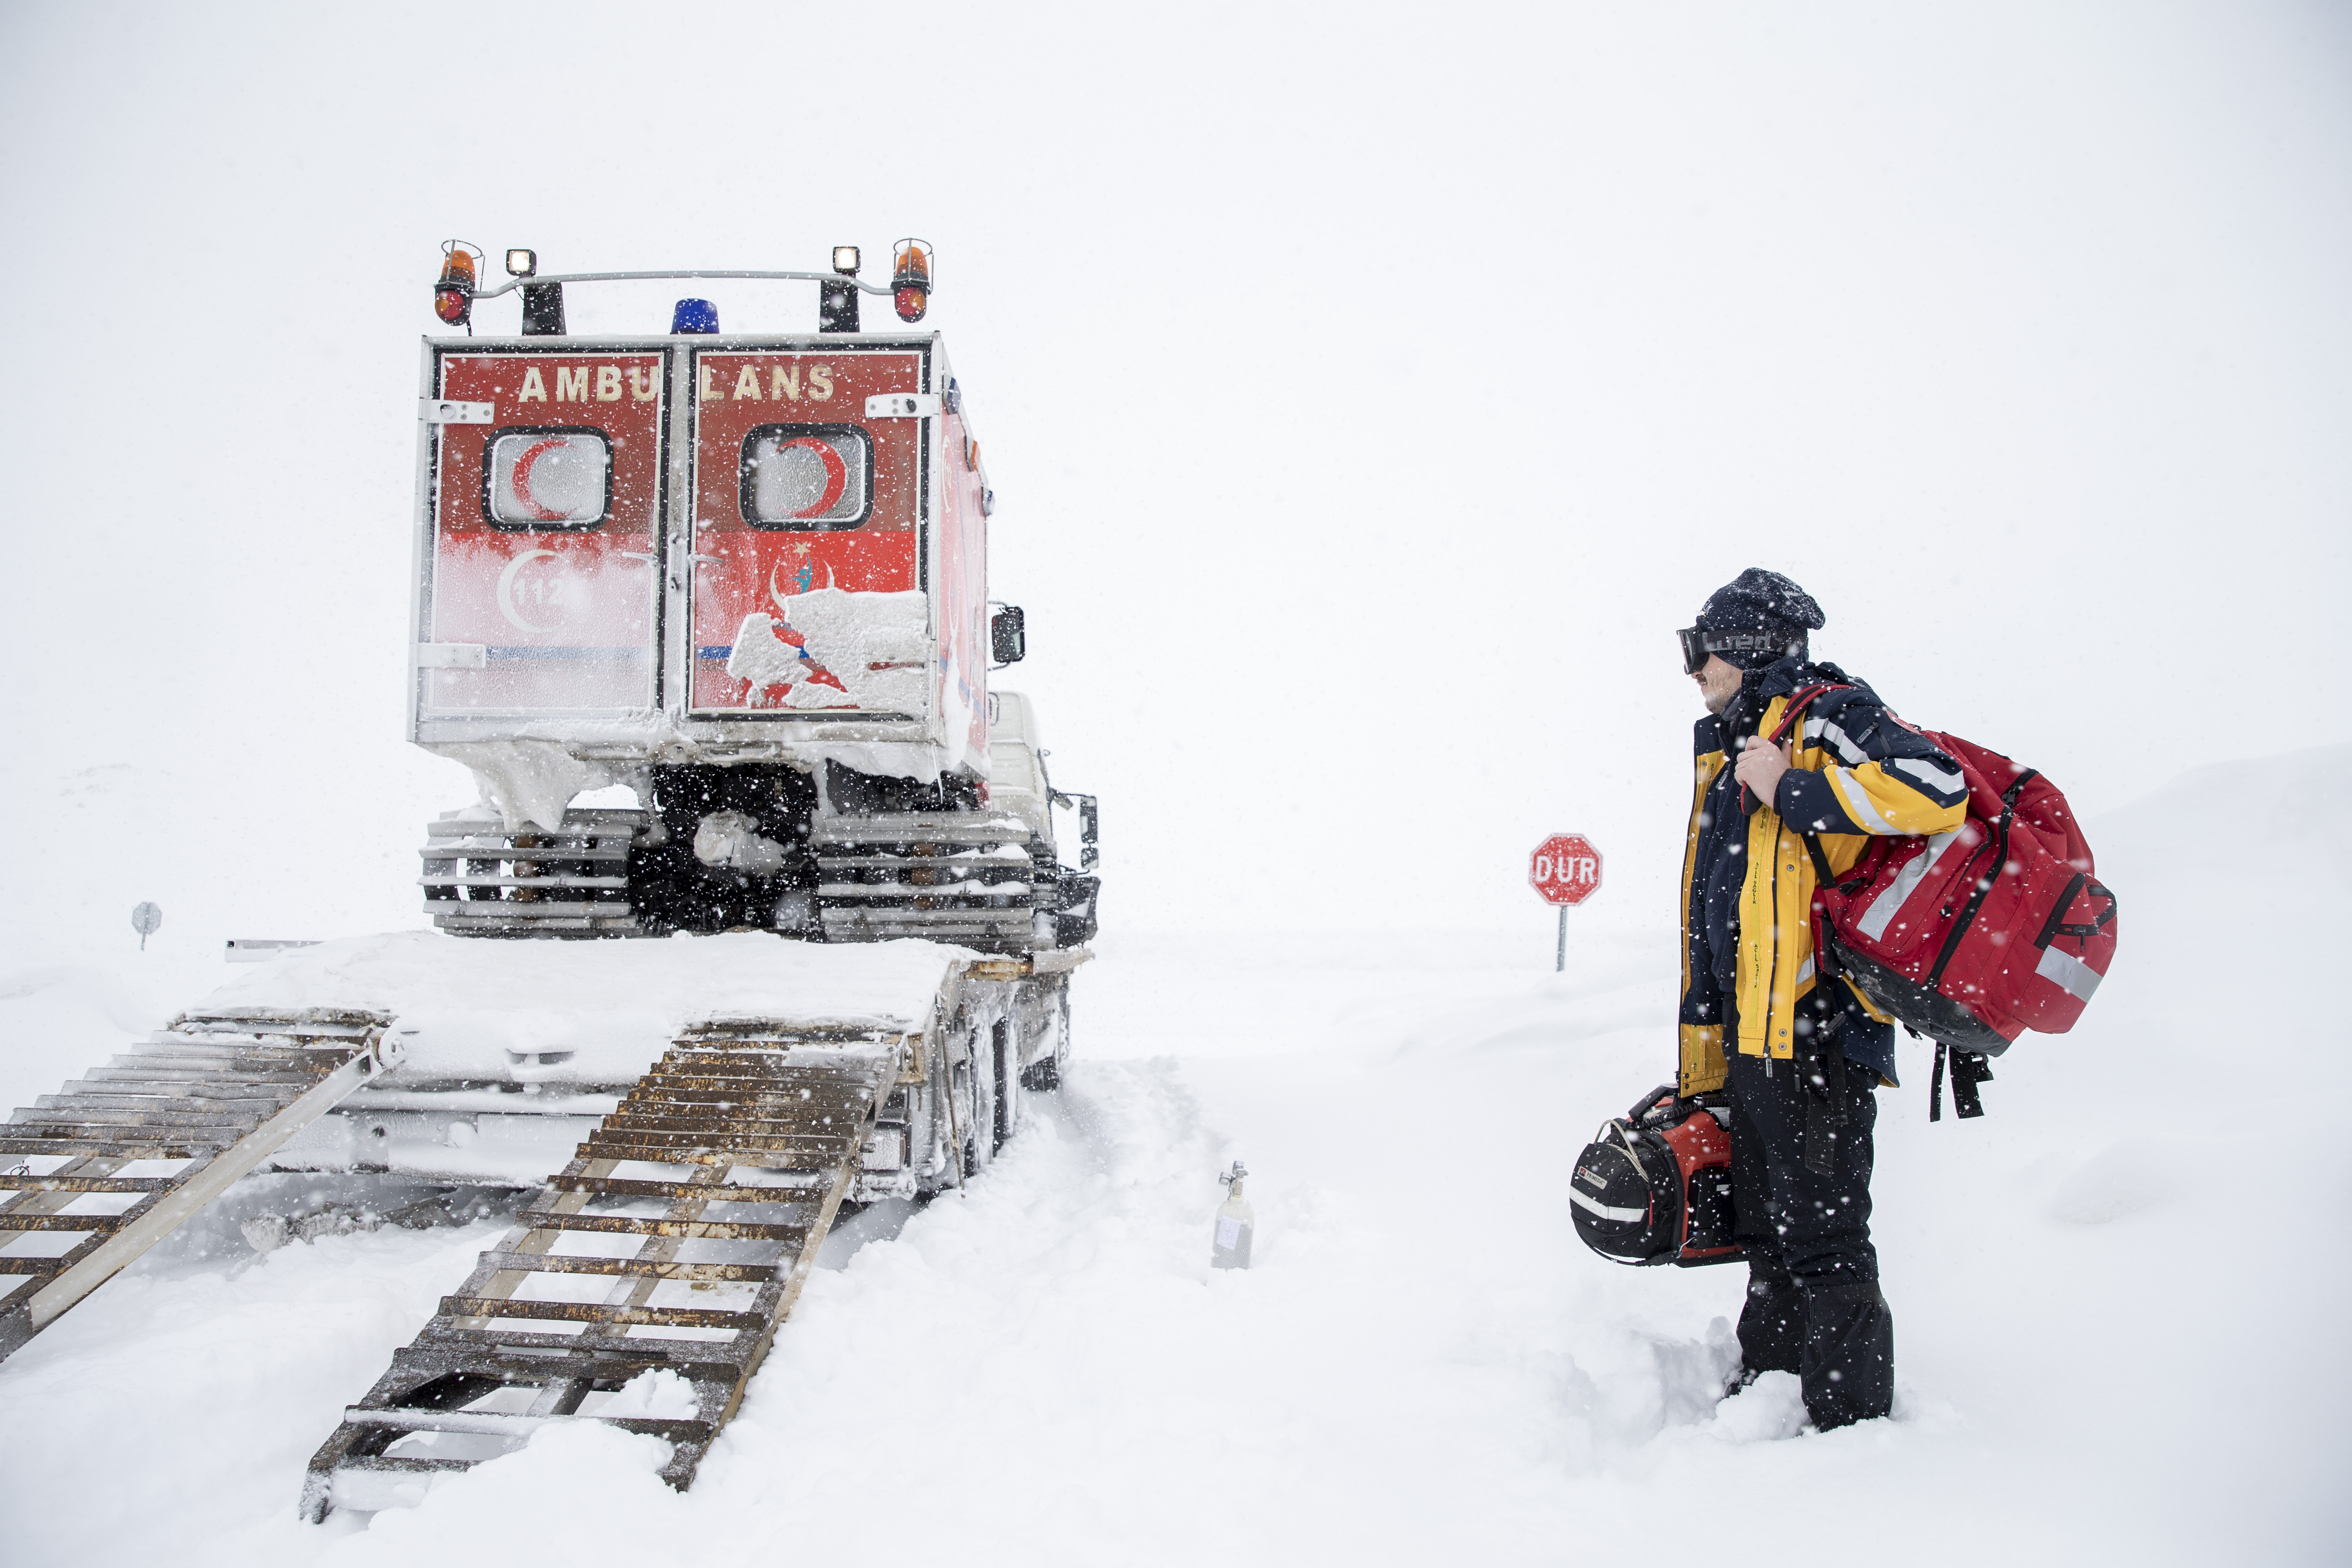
[(1822, 1070), (1822, 875), (1798, 701), (1968, 1070), (1975, 901)]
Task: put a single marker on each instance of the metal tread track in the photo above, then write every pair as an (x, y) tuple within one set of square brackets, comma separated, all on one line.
[(479, 878), (213, 1096), (676, 1240)]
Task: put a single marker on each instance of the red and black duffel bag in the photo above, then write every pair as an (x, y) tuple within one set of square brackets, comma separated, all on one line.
[(1654, 1185), (1974, 936)]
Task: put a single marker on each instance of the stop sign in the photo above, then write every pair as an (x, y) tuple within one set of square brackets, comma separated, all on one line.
[(1565, 869)]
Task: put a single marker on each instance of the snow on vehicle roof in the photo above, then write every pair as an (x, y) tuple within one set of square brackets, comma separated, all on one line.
[(480, 1009)]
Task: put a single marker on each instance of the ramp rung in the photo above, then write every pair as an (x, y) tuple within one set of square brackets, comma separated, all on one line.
[(750, 1140), (696, 1229), (716, 1159), (14, 1180), (460, 1353), (292, 1062), (573, 1263), (684, 1355), (408, 1467), (63, 1221), (609, 1187), (497, 1423), (804, 1105), (198, 1090), (710, 1116), (117, 1147), (599, 1312), (207, 1100), (182, 1122)]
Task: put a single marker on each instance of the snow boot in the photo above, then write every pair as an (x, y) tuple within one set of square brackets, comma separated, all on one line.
[(1848, 1360), (1772, 1323)]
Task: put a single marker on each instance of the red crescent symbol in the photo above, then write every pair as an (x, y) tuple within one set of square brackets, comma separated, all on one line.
[(530, 456), (836, 473)]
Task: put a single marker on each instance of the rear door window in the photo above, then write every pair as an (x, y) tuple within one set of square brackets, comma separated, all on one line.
[(548, 477), (807, 475)]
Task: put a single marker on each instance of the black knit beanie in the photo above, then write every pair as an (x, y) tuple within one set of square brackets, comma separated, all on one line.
[(1757, 617)]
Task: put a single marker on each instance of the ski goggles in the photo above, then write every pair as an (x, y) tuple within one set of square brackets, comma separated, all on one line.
[(1699, 645)]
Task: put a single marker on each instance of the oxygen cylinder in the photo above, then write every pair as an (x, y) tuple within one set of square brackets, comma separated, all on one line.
[(1230, 1248)]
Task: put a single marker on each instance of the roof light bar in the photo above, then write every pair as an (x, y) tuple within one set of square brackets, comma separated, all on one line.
[(512, 284), (460, 284)]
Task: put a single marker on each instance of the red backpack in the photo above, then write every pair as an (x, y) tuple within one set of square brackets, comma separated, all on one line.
[(1974, 936)]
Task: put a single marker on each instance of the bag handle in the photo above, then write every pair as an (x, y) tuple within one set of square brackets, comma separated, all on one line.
[(2055, 926)]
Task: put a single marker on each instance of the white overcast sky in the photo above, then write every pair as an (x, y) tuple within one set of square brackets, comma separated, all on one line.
[(1369, 390)]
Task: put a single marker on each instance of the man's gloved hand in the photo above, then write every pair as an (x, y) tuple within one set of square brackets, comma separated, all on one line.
[(1761, 767)]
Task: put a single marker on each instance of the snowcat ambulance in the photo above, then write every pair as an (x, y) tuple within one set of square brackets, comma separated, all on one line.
[(706, 617)]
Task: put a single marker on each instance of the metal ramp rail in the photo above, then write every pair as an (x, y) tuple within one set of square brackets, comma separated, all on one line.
[(118, 1160), (677, 1241)]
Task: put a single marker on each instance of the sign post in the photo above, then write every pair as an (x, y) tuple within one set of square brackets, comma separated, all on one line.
[(1565, 871)]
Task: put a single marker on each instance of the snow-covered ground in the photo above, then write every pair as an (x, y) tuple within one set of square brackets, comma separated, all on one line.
[(2119, 1296)]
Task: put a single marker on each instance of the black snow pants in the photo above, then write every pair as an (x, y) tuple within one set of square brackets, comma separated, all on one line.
[(1813, 1306)]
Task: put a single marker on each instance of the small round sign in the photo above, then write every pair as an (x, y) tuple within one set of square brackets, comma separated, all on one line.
[(146, 920)]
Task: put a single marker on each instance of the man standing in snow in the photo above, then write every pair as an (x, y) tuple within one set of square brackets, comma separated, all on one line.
[(1798, 1060)]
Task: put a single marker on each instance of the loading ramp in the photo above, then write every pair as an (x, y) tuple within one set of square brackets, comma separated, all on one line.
[(118, 1160), (676, 1241)]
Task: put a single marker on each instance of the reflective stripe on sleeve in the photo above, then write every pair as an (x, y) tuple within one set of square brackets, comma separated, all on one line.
[(1930, 773), (1826, 730), (1857, 805), (1880, 801)]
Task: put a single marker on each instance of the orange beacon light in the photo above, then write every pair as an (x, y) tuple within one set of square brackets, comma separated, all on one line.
[(452, 296), (911, 279)]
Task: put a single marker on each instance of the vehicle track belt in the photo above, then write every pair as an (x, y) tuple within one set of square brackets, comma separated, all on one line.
[(676, 1240), (94, 1175)]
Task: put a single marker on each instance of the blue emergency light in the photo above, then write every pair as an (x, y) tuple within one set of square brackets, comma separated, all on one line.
[(694, 316)]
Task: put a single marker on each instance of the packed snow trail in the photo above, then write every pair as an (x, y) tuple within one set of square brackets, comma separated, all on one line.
[(2110, 1346)]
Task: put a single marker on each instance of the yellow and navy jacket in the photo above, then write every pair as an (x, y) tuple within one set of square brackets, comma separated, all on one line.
[(1747, 880)]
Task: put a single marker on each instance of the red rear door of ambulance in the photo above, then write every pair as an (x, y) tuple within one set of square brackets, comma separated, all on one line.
[(805, 513), (540, 594)]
